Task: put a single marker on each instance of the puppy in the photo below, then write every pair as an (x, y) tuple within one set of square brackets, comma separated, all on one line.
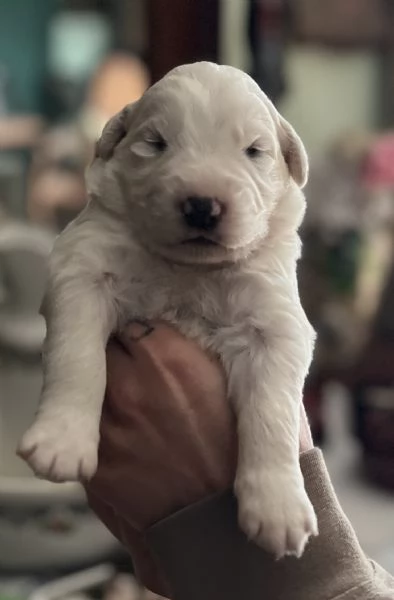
[(195, 202)]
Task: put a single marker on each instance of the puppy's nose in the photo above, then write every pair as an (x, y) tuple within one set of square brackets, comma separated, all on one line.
[(201, 213)]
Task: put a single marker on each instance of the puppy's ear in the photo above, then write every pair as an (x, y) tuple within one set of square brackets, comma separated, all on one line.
[(113, 132), (293, 151)]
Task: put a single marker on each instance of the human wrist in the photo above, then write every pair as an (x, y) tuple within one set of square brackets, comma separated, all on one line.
[(205, 555)]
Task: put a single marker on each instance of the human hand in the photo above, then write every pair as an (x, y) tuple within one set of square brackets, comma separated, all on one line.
[(168, 436)]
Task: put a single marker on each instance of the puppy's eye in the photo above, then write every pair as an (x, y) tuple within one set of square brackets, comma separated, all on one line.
[(158, 143), (253, 151)]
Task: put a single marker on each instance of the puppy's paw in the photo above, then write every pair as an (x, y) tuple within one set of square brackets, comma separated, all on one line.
[(275, 512), (60, 448)]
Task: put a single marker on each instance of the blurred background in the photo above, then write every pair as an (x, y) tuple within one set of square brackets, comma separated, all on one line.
[(65, 68)]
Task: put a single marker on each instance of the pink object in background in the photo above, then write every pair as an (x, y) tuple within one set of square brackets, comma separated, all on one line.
[(378, 169)]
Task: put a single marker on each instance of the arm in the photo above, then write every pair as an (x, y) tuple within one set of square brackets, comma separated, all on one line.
[(80, 314), (204, 555), (168, 442), (266, 361)]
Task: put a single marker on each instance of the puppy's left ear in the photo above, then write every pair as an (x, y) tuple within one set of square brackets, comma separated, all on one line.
[(293, 151)]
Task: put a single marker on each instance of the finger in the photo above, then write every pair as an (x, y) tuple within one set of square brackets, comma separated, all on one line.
[(149, 334), (138, 329), (162, 342)]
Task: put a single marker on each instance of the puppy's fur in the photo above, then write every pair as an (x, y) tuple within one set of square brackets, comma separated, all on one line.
[(207, 131)]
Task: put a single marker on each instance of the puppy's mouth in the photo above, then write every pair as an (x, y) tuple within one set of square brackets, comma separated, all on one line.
[(201, 241)]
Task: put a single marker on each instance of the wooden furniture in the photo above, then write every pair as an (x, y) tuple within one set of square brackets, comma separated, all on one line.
[(181, 31)]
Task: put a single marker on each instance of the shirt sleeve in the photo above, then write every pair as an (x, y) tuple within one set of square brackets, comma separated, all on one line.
[(205, 556)]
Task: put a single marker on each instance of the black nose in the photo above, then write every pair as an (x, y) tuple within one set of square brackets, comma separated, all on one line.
[(201, 213)]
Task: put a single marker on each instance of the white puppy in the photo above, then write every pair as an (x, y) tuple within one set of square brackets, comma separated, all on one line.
[(195, 202)]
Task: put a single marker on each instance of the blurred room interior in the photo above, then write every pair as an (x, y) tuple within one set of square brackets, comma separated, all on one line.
[(66, 67)]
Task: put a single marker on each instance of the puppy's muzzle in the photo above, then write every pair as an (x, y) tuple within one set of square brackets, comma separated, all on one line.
[(201, 213)]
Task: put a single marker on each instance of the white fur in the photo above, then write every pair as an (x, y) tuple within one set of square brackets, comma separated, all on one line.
[(124, 257)]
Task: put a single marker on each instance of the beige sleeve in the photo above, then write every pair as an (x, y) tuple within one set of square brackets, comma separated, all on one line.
[(345, 571), (206, 557)]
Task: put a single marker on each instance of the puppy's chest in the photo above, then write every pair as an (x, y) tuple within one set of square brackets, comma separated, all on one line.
[(195, 304)]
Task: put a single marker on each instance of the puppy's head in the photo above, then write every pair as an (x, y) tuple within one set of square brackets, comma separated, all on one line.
[(199, 165)]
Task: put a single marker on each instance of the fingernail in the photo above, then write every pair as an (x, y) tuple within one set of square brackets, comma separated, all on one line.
[(138, 329)]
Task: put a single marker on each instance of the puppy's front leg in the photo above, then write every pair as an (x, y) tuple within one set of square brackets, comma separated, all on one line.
[(266, 368), (61, 445)]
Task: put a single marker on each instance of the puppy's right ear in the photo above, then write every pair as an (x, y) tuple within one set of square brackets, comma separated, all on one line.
[(113, 132)]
